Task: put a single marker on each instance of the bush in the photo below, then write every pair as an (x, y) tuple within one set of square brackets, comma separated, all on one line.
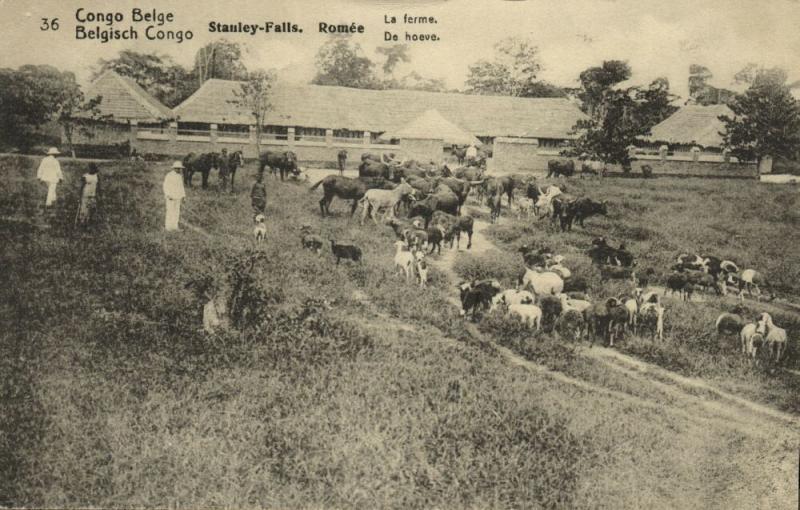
[(505, 267)]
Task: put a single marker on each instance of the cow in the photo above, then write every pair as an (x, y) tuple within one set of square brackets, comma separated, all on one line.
[(346, 189), (460, 187), (345, 251), (460, 153), (372, 169), (578, 210), (443, 199), (283, 162), (477, 296), (202, 163), (560, 167), (453, 226)]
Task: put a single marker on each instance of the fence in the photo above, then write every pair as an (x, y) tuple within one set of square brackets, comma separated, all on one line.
[(177, 142), (511, 155)]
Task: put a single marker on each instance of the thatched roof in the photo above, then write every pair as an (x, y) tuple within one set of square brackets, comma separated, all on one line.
[(431, 125), (124, 100), (378, 111), (692, 124)]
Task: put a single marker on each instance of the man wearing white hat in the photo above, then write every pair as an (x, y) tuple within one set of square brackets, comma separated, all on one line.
[(173, 195), (50, 172)]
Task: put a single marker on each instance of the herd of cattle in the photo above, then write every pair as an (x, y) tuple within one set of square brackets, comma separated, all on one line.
[(547, 294)]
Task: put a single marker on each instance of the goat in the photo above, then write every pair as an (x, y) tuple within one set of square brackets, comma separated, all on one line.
[(404, 259), (422, 270), (345, 251), (774, 337), (310, 241), (260, 228)]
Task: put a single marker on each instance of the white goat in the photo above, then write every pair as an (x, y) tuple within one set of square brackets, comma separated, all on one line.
[(404, 259), (774, 336)]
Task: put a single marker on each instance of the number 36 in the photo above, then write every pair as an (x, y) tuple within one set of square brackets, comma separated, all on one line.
[(49, 24)]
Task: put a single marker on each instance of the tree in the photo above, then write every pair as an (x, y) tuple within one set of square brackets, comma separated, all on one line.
[(512, 72), (698, 79), (394, 55), (414, 81), (611, 129), (159, 75), (654, 103), (766, 120), (618, 115), (30, 97), (596, 81), (342, 63), (75, 112), (220, 59), (254, 95)]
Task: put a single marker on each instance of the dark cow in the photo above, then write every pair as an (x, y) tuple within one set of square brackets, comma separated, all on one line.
[(453, 226), (477, 296), (283, 162), (234, 161), (460, 187), (471, 174), (370, 169), (443, 199), (578, 210), (678, 282), (202, 163), (494, 202), (341, 160), (559, 167), (346, 189)]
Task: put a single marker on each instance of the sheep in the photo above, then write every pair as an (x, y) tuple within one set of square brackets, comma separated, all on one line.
[(747, 335), (530, 314), (310, 241), (345, 251), (774, 337), (678, 282), (512, 297), (729, 323), (578, 305), (653, 313), (404, 260)]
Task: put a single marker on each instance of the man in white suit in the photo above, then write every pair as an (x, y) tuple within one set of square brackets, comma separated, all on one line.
[(173, 195), (50, 173)]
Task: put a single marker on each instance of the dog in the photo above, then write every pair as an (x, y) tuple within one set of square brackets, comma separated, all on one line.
[(422, 269), (260, 228)]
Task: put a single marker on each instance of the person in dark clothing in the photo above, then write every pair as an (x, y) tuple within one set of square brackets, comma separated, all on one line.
[(224, 170), (258, 196)]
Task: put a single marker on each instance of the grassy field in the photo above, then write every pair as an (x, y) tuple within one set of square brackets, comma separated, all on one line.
[(348, 389)]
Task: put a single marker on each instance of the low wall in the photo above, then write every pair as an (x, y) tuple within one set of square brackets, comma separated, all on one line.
[(513, 155)]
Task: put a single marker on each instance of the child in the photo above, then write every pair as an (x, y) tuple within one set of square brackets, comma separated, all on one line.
[(258, 196), (89, 182)]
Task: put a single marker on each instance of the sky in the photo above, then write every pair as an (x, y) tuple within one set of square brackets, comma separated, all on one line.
[(657, 38)]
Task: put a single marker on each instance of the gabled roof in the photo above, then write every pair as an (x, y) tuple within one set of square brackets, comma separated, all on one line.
[(431, 125), (692, 124), (385, 110), (124, 100)]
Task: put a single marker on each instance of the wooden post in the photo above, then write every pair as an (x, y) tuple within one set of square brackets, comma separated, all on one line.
[(663, 151), (290, 136), (329, 137), (695, 153), (133, 136), (367, 137), (213, 136)]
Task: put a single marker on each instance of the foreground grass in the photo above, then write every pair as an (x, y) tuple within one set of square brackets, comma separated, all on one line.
[(114, 398)]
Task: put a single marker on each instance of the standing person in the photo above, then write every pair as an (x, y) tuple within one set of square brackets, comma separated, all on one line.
[(341, 158), (89, 182), (224, 170), (50, 172), (472, 153), (173, 195), (258, 196)]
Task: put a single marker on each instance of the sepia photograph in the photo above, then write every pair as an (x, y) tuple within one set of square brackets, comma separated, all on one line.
[(400, 254)]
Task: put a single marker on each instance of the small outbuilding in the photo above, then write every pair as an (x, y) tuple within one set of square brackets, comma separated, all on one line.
[(424, 138)]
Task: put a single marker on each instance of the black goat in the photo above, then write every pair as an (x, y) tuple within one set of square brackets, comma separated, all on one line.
[(345, 251)]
